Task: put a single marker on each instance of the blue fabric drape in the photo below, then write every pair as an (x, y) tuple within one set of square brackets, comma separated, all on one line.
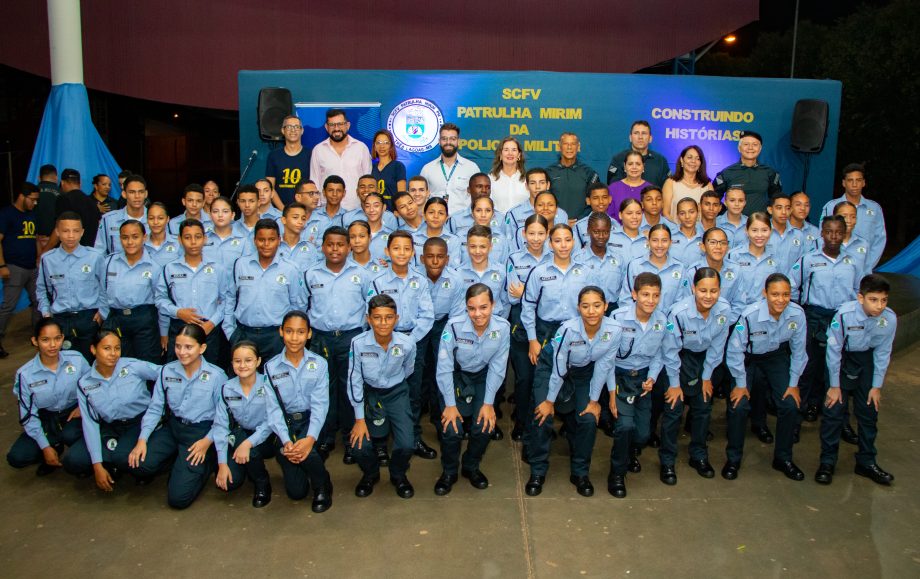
[(908, 261), (68, 139)]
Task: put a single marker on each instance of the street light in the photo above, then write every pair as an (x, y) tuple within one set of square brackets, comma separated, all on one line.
[(730, 39)]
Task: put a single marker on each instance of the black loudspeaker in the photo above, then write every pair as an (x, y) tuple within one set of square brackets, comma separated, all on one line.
[(275, 103), (809, 126)]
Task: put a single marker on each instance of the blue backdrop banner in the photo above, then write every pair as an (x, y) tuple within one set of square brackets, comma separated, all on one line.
[(535, 107)]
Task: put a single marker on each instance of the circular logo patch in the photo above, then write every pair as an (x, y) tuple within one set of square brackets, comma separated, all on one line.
[(415, 124)]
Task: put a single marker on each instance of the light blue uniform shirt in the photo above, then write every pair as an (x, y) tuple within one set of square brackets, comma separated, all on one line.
[(628, 248), (261, 297), (645, 226), (204, 288), (37, 387), (378, 244), (337, 301), (129, 286), (448, 294), (248, 411), (169, 250), (108, 236), (412, 295), (787, 247), (502, 247), (71, 282), (122, 396), (189, 399), (172, 228), (737, 234), (852, 330), (818, 280), (454, 247), (517, 215), (461, 345), (640, 347), (347, 218), (870, 225), (608, 270), (572, 348), (459, 223), (240, 229), (493, 276), (369, 363), (858, 248), (316, 225), (687, 249), (752, 275), (519, 265), (551, 294), (402, 224), (302, 388), (226, 251), (271, 213), (730, 277), (580, 229), (688, 330), (758, 333), (811, 235), (302, 255), (673, 280)]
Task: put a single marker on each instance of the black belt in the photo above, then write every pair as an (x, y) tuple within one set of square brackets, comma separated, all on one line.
[(135, 310), (631, 373), (186, 422), (127, 421), (74, 314), (259, 329), (45, 414), (783, 350), (334, 333)]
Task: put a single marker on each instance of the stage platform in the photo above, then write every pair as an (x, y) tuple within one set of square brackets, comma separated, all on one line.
[(905, 301)]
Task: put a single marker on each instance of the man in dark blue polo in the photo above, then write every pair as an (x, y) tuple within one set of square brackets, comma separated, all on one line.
[(758, 181), (18, 254)]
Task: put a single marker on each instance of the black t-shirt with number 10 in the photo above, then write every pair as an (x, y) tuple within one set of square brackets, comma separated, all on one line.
[(288, 171)]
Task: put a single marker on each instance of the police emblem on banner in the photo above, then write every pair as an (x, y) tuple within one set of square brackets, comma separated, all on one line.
[(415, 124)]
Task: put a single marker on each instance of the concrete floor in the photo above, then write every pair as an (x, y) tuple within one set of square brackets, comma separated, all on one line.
[(761, 525)]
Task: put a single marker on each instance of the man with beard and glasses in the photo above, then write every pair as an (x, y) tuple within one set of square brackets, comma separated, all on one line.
[(449, 174), (340, 155)]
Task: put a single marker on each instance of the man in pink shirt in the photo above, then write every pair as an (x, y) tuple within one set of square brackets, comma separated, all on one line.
[(340, 155)]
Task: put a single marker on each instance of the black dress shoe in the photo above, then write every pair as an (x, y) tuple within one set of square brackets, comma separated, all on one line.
[(348, 457), (763, 434), (322, 499), (654, 441), (383, 457), (325, 449), (444, 484), (668, 475), (404, 488), (811, 413), (848, 435), (788, 468), (875, 473), (365, 486), (477, 479), (534, 485), (582, 485), (44, 469), (703, 468), (616, 485), (497, 433), (517, 433), (422, 450), (730, 470), (634, 465), (262, 497), (825, 474)]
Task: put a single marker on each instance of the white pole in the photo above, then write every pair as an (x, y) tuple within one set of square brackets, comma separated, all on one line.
[(66, 40)]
